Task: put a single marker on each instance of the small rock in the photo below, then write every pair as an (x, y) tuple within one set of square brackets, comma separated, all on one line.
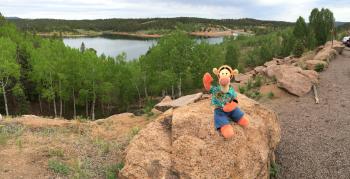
[(243, 78), (166, 104), (156, 111), (259, 69)]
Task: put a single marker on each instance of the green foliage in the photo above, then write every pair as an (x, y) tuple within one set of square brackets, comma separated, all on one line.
[(232, 55), (298, 49), (58, 167), (251, 89), (158, 25), (135, 131), (322, 24), (319, 67), (274, 169), (300, 30), (112, 171), (270, 95), (56, 152), (8, 132), (103, 146)]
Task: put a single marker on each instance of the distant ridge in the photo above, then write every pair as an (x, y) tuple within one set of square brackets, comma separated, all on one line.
[(150, 24), (337, 24), (9, 18)]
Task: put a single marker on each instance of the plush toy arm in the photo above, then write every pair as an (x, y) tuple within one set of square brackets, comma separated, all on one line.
[(207, 80), (230, 106)]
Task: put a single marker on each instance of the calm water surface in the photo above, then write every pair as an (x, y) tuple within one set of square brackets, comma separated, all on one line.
[(113, 47)]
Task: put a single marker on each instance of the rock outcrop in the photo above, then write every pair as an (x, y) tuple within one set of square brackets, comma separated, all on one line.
[(167, 103), (294, 79), (329, 51), (182, 143), (311, 64)]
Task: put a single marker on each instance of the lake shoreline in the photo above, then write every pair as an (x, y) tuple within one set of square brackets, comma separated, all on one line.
[(140, 35)]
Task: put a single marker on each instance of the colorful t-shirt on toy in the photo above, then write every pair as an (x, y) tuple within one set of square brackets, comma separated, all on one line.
[(219, 99)]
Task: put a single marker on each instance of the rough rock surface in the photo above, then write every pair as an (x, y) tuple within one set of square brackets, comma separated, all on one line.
[(294, 79), (166, 104), (337, 45), (243, 78), (259, 69), (184, 144), (327, 53), (311, 64)]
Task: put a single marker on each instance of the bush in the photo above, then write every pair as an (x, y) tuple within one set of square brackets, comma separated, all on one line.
[(58, 167), (270, 95), (113, 170), (319, 67)]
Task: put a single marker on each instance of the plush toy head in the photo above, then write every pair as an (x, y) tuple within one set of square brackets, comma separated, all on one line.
[(225, 74)]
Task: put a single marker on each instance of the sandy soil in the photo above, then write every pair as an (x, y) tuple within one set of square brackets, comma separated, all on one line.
[(316, 137)]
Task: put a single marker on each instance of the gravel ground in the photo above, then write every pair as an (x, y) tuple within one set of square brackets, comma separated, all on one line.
[(316, 137)]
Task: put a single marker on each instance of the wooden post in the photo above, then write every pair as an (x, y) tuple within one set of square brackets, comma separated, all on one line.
[(315, 93)]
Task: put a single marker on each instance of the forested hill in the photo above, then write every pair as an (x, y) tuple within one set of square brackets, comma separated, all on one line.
[(344, 26), (133, 25)]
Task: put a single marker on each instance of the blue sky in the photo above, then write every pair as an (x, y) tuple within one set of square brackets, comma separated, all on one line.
[(285, 10)]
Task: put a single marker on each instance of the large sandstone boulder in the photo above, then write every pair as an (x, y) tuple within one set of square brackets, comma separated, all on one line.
[(294, 79), (184, 144), (337, 46), (167, 103), (311, 64), (326, 54)]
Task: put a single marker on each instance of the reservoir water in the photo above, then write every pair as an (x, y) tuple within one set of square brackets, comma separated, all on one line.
[(114, 46)]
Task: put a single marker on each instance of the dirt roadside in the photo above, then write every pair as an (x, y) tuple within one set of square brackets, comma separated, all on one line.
[(316, 137)]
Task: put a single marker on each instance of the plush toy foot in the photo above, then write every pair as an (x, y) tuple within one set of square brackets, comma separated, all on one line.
[(227, 131), (243, 122)]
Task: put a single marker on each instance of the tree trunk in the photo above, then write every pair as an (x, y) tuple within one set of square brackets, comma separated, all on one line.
[(54, 106), (93, 101), (172, 91), (139, 94), (144, 84), (86, 108), (60, 98), (40, 105), (179, 87), (74, 107), (5, 99)]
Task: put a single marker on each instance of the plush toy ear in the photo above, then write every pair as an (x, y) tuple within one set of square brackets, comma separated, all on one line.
[(234, 72), (215, 71)]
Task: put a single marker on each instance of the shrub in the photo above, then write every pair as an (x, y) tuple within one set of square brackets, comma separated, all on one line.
[(274, 169), (270, 95), (58, 167), (113, 170), (319, 67)]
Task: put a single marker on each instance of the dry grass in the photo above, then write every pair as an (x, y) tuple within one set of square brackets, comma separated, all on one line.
[(37, 147)]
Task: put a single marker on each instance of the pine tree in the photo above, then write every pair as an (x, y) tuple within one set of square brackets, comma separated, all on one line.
[(300, 30)]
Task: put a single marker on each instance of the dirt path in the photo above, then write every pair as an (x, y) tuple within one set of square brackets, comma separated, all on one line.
[(316, 138)]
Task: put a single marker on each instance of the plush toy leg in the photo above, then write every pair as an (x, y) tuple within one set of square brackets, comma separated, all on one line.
[(227, 131), (243, 122)]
